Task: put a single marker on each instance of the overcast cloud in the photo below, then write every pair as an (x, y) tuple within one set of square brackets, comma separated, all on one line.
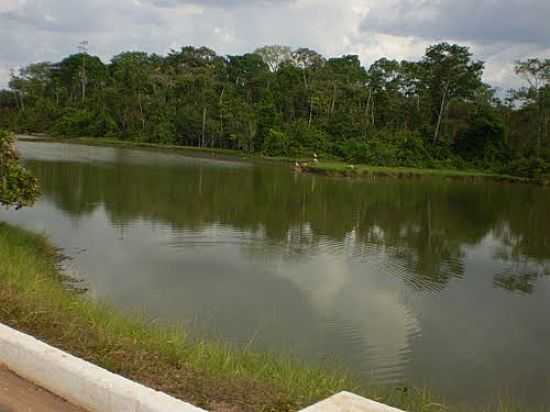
[(499, 31)]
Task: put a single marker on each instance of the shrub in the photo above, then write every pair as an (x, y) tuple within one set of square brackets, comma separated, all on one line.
[(276, 143), (386, 148), (307, 138), (83, 122), (531, 167), (18, 187), (161, 131), (75, 122), (102, 125), (483, 140)]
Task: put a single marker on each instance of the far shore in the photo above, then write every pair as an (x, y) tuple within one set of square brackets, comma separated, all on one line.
[(304, 163)]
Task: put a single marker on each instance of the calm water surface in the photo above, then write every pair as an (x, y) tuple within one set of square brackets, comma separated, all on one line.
[(424, 282)]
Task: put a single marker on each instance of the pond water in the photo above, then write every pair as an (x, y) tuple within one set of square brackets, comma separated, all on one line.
[(423, 282)]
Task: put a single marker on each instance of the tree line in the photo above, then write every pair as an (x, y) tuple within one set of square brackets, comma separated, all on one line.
[(434, 112)]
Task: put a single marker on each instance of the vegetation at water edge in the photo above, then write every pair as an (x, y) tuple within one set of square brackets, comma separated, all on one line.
[(434, 113), (18, 187)]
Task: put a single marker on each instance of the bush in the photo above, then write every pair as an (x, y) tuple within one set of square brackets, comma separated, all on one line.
[(386, 148), (18, 187), (160, 131), (102, 125), (483, 140), (75, 122), (306, 138), (531, 167), (276, 143), (83, 122)]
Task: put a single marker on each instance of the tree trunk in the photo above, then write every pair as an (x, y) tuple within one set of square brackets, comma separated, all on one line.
[(220, 104), (367, 109), (21, 100), (441, 111), (17, 104), (333, 102), (540, 131), (141, 112), (83, 90), (372, 108), (310, 112), (203, 134), (367, 113)]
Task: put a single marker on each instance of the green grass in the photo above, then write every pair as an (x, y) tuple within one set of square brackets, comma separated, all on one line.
[(336, 168)]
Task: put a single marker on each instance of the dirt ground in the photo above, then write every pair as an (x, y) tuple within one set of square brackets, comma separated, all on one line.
[(18, 395)]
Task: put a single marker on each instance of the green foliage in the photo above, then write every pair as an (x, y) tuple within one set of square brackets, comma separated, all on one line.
[(161, 131), (307, 138), (268, 118), (76, 122), (276, 143), (435, 112), (102, 125), (81, 122), (387, 148), (483, 139), (18, 187), (531, 167)]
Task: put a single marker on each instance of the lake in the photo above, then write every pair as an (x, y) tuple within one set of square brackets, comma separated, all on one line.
[(408, 282)]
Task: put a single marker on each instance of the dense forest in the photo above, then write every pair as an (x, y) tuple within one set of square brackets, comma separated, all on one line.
[(436, 112)]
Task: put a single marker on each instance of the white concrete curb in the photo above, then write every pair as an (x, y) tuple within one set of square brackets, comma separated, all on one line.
[(349, 402), (98, 390), (79, 382)]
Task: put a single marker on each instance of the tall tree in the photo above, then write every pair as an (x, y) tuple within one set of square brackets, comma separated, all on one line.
[(274, 55), (537, 74), (448, 72)]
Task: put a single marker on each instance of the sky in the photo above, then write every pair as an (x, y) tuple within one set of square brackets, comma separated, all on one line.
[(498, 31)]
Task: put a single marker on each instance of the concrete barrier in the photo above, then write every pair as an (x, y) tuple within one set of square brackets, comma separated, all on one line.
[(98, 390), (349, 402), (79, 382)]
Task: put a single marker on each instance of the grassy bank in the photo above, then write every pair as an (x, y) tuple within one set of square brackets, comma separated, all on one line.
[(341, 169), (329, 167), (33, 299)]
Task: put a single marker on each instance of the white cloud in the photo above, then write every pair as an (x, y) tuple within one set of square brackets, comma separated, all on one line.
[(498, 31), (480, 21), (8, 5), (38, 30), (4, 77), (380, 319)]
